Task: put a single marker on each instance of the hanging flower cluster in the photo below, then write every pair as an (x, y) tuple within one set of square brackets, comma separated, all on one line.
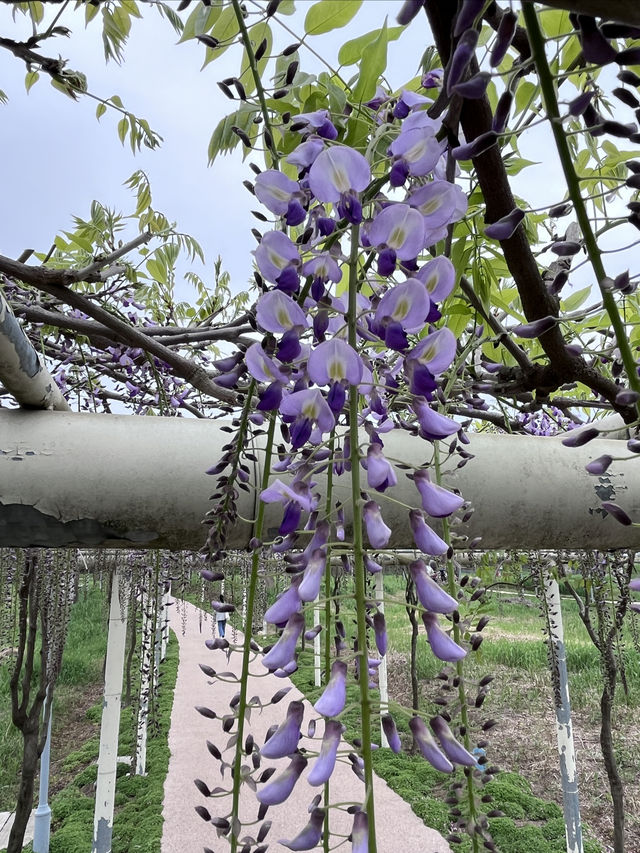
[(353, 349)]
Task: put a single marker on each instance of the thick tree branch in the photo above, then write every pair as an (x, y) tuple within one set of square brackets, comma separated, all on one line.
[(624, 11)]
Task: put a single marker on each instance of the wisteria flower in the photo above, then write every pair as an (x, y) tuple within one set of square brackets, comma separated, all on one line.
[(277, 312), (391, 733), (378, 533), (276, 792), (304, 154), (454, 751), (286, 605), (436, 501), (284, 741), (278, 260), (313, 575), (425, 538), (337, 175), (261, 367), (335, 361), (428, 747), (430, 594), (310, 836), (281, 196), (416, 153), (307, 407), (322, 268), (428, 358), (284, 650), (433, 425), (325, 762), (440, 203), (318, 121), (380, 472), (442, 645), (279, 492), (438, 276), (397, 232), (409, 101), (405, 306), (334, 696), (360, 833)]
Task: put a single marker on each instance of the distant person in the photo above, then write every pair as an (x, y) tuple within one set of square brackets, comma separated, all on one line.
[(221, 618)]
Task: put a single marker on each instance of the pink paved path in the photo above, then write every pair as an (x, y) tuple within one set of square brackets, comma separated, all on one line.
[(397, 826)]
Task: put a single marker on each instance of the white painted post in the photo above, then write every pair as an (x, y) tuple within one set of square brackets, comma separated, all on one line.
[(42, 818), (382, 669), (564, 727), (316, 646), (165, 619), (109, 729), (145, 684)]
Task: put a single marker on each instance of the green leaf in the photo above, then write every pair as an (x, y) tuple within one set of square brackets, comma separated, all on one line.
[(90, 12), (223, 138), (157, 270), (100, 110), (330, 15), (372, 67), (200, 21), (257, 34), (123, 127), (513, 165), (573, 302), (351, 51), (225, 29), (525, 93), (31, 79), (3, 97)]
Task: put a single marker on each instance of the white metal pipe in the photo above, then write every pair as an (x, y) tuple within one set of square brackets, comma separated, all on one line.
[(146, 656), (141, 482), (21, 371), (110, 725), (382, 669), (42, 817)]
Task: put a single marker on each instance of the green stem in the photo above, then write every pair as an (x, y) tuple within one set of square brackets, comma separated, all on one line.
[(257, 79), (537, 42), (452, 588), (247, 627), (358, 552)]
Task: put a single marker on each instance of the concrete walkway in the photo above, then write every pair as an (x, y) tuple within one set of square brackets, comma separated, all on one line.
[(185, 831), (6, 822)]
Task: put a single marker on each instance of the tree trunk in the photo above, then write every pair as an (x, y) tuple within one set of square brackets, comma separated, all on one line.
[(30, 758), (615, 782)]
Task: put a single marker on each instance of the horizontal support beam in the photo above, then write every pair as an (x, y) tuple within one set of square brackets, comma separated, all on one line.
[(118, 480)]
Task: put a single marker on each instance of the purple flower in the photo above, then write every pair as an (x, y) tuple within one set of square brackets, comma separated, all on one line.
[(284, 650), (305, 153), (432, 597), (334, 696), (506, 227), (436, 501), (276, 792), (599, 466), (428, 747), (415, 152), (313, 574), (506, 31), (337, 175), (360, 832), (377, 531), (380, 472), (398, 227), (474, 87), (407, 13), (281, 195), (335, 361), (261, 367), (431, 356), (310, 836), (461, 58), (440, 203), (616, 512), (278, 259), (425, 538), (279, 492), (277, 312), (479, 145), (308, 407), (432, 79), (634, 584), (322, 268), (325, 762), (380, 629), (454, 751), (407, 304), (535, 329), (443, 647), (409, 101), (286, 605), (319, 122), (391, 733), (579, 437), (438, 276), (284, 741)]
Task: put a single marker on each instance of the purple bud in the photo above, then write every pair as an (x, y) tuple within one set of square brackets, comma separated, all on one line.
[(310, 836), (461, 58), (535, 329), (334, 696), (380, 629), (627, 397), (501, 115), (479, 145), (474, 87), (506, 226), (442, 645), (408, 11), (325, 762), (391, 733), (577, 438), (565, 248), (454, 751), (426, 744), (617, 512), (599, 466), (595, 46), (431, 596), (506, 32), (630, 56), (578, 105), (360, 833), (285, 739), (276, 792)]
